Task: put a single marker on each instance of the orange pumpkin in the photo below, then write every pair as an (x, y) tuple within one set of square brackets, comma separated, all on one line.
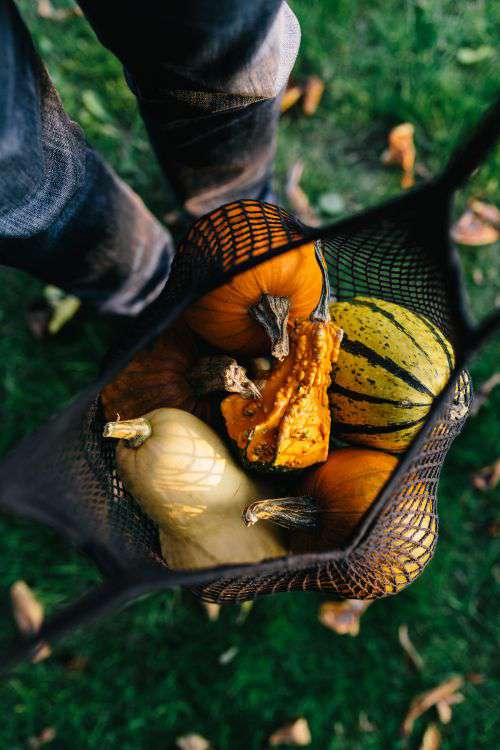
[(333, 498), (249, 314), (170, 373)]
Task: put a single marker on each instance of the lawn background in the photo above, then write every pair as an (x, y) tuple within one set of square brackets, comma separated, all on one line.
[(153, 670)]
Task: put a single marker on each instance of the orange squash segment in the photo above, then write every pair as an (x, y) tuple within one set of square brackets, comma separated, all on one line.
[(289, 427)]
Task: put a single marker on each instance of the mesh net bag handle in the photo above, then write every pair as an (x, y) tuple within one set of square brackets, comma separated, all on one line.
[(398, 251)]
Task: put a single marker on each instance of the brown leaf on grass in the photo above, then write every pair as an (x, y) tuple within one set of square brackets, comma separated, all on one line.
[(486, 212), (27, 610), (28, 614), (430, 698), (212, 610), (296, 733), (313, 91), (46, 735), (409, 648), (494, 529), (472, 231), (483, 393), (76, 663), (343, 617), (432, 738), (443, 707), (475, 678), (45, 9), (298, 199), (401, 152), (488, 477), (245, 609), (192, 742), (291, 97), (364, 723)]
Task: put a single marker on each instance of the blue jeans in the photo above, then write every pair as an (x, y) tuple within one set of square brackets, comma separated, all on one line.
[(208, 76)]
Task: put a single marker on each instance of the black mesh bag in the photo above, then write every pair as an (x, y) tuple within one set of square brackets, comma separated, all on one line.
[(399, 252)]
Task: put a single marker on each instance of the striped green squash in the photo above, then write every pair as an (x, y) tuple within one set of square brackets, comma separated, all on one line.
[(392, 364)]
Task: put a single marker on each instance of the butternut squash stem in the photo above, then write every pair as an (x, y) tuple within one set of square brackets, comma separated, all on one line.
[(222, 373), (291, 512), (271, 312), (134, 431), (322, 310)]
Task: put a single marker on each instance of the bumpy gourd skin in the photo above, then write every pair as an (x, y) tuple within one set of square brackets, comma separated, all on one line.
[(289, 428), (392, 365)]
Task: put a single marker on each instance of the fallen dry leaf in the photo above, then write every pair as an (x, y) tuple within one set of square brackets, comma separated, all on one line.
[(313, 91), (409, 648), (475, 678), (494, 529), (46, 735), (424, 701), (291, 97), (432, 738), (343, 617), (192, 742), (76, 663), (245, 609), (483, 393), (472, 231), (401, 152), (364, 723), (478, 276), (212, 610), (64, 307), (28, 615), (298, 199), (227, 656), (27, 610), (486, 212), (296, 733), (488, 477), (443, 707), (45, 9)]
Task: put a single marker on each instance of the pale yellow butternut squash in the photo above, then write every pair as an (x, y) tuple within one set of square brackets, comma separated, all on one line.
[(186, 480)]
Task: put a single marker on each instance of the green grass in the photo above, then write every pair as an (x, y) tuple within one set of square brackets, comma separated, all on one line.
[(153, 670)]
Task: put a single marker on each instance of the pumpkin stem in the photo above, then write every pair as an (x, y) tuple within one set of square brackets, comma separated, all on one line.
[(290, 512), (134, 431), (322, 310), (222, 373), (271, 312)]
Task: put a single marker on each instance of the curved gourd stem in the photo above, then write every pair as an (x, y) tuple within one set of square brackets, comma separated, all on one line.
[(134, 431), (221, 373), (291, 512), (322, 310), (271, 312)]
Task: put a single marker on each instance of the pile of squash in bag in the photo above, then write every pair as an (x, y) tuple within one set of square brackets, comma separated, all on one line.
[(266, 420)]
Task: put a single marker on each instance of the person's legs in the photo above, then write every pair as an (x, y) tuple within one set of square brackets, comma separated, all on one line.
[(208, 76), (65, 217)]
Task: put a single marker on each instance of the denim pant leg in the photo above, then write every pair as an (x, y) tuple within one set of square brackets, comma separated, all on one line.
[(65, 217), (208, 75)]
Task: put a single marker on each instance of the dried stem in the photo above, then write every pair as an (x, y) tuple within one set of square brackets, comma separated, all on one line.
[(322, 309), (272, 313), (134, 431), (290, 512), (222, 373)]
